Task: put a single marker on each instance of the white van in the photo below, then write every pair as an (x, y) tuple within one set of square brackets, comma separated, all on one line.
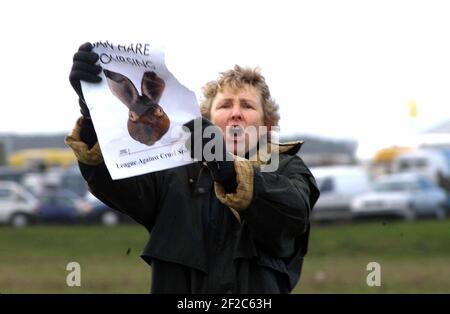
[(338, 185), (429, 163), (18, 207)]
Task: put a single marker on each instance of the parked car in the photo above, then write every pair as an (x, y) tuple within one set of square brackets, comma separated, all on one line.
[(404, 195), (101, 213), (60, 206), (338, 185), (18, 207)]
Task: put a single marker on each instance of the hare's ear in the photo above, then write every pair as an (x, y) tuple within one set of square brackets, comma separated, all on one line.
[(152, 86), (122, 88)]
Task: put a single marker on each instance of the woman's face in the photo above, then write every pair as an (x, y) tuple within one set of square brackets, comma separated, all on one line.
[(239, 114)]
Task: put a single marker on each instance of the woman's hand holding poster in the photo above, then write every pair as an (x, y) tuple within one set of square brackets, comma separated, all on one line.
[(138, 110)]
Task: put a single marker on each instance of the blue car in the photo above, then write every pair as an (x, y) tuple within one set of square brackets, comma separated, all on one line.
[(61, 207)]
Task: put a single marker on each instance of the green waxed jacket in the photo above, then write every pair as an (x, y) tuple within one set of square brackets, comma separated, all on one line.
[(201, 241)]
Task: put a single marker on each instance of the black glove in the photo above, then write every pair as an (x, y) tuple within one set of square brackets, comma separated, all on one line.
[(222, 166), (87, 133), (84, 69)]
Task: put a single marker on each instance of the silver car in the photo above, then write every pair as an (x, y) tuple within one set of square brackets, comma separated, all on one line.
[(18, 207), (404, 195)]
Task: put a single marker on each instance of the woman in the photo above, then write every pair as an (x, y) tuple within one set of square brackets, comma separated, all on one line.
[(223, 224)]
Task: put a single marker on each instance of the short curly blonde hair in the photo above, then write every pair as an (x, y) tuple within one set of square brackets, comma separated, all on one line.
[(237, 78)]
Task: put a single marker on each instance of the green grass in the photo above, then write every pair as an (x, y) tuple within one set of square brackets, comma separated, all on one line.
[(34, 260), (414, 258)]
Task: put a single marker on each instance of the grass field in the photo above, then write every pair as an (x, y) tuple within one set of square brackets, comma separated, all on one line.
[(414, 258)]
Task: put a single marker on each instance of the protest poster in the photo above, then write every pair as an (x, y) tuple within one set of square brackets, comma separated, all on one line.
[(138, 109)]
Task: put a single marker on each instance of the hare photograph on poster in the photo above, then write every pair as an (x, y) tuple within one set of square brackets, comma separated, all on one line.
[(147, 121)]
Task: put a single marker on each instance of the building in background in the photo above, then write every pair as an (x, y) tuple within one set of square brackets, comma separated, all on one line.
[(318, 151), (34, 151)]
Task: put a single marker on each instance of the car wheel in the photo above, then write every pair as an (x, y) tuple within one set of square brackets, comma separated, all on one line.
[(440, 213), (19, 220), (109, 219), (411, 215)]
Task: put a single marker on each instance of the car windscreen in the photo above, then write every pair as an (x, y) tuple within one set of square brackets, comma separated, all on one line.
[(395, 186), (325, 184)]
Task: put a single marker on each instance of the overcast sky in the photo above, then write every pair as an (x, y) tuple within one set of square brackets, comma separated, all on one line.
[(339, 69)]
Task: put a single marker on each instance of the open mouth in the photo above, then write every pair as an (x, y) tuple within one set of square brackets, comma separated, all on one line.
[(235, 130)]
